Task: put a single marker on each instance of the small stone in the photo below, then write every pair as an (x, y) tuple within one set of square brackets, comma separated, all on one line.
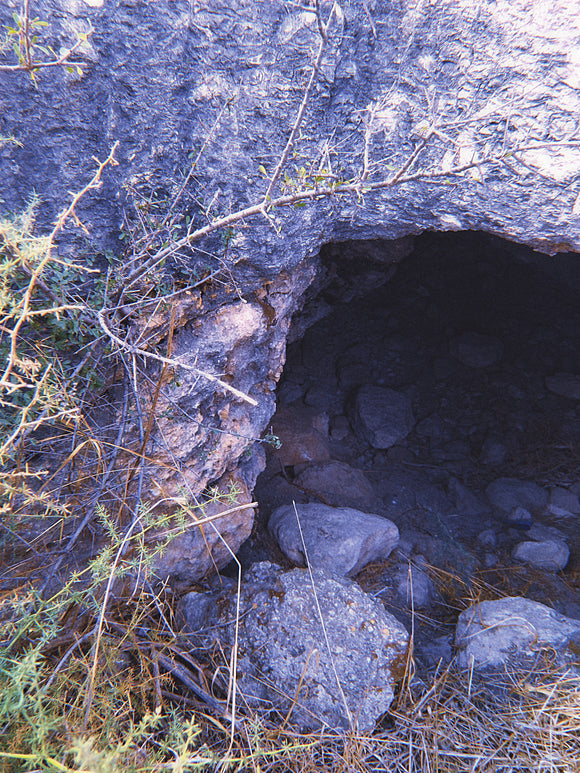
[(540, 533), (382, 416), (494, 633), (509, 493), (490, 560), (338, 484), (493, 453), (475, 350), (520, 518), (551, 555), (563, 502), (432, 427), (565, 385), (339, 540), (487, 538), (413, 586)]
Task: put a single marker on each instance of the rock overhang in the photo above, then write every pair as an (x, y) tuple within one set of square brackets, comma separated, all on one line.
[(396, 86)]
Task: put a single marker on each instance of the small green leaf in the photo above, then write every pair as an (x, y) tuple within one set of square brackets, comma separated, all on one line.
[(298, 204), (262, 169)]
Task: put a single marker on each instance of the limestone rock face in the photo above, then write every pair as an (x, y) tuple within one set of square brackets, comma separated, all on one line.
[(213, 536), (158, 94), (171, 78)]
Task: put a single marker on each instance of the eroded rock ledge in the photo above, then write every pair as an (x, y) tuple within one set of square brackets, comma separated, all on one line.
[(482, 80)]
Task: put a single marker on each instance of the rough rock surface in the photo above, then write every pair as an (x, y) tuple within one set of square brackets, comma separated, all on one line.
[(476, 350), (283, 653), (339, 485), (382, 416), (507, 494), (493, 633), (211, 539), (339, 540), (551, 555), (158, 78)]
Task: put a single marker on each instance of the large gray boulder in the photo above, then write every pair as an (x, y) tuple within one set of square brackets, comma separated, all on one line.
[(311, 645), (339, 540)]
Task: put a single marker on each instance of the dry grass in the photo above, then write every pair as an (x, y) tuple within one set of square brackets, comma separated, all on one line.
[(519, 723), (156, 707)]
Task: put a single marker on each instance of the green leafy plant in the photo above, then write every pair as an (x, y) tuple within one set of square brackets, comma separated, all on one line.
[(41, 313), (23, 39)]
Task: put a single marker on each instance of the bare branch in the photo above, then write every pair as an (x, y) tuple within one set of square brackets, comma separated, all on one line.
[(300, 115), (167, 360), (23, 309), (60, 62)]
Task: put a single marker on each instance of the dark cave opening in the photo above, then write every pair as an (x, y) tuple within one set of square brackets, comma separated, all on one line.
[(481, 339)]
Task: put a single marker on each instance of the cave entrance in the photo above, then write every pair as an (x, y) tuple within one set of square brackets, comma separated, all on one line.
[(481, 339)]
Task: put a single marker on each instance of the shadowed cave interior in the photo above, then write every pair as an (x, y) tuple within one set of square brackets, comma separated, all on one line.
[(483, 337)]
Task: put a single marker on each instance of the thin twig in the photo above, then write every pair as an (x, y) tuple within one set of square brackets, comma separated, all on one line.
[(91, 511), (23, 307), (322, 623), (301, 110), (30, 67), (124, 346)]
